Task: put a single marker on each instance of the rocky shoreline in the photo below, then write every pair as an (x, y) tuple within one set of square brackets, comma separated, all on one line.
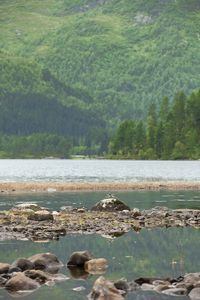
[(45, 187), (108, 217)]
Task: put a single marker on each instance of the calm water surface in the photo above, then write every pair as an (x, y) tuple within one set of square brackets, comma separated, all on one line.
[(97, 170), (158, 252)]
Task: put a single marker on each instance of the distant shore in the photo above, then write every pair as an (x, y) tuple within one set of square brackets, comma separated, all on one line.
[(42, 187)]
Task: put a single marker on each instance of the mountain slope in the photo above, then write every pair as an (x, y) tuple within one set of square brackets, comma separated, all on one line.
[(125, 54)]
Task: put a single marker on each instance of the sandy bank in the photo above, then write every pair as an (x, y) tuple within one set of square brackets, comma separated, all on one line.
[(39, 187)]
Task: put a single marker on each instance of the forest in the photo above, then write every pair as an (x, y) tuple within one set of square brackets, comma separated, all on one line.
[(170, 131), (79, 69)]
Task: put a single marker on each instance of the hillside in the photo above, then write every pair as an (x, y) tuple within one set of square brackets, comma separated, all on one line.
[(113, 57), (123, 53)]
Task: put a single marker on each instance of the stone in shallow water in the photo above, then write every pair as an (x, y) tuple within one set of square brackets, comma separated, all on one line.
[(4, 268), (195, 294), (46, 261), (23, 264), (110, 204), (79, 258), (96, 266), (104, 289), (20, 282)]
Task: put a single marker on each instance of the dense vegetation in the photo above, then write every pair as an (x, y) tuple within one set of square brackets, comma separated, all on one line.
[(77, 68), (170, 132)]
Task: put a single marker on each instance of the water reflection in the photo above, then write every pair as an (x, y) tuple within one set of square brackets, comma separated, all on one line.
[(150, 253)]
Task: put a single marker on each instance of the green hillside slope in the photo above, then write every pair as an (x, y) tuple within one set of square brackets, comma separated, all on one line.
[(125, 53)]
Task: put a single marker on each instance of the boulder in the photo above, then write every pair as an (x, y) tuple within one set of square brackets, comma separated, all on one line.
[(4, 268), (110, 204), (41, 215), (46, 261), (96, 266), (195, 294), (105, 289), (79, 258), (22, 264), (20, 282)]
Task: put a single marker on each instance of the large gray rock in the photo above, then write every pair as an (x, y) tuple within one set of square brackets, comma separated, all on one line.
[(110, 204), (20, 282), (195, 294), (79, 258), (105, 289), (46, 261)]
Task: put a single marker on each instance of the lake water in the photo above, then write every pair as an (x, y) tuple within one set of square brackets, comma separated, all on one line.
[(158, 252), (97, 170)]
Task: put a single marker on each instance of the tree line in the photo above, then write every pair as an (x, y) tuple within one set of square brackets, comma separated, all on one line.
[(171, 130)]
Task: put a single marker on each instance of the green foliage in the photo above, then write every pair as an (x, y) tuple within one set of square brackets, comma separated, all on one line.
[(36, 145), (123, 54), (173, 135), (79, 68)]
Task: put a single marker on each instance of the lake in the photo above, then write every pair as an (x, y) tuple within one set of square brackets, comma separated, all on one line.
[(158, 252), (97, 170)]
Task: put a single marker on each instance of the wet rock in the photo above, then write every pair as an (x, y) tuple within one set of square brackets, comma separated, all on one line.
[(32, 206), (40, 276), (147, 287), (22, 264), (110, 204), (104, 289), (175, 291), (192, 278), (96, 266), (135, 212), (149, 280), (79, 258), (124, 285), (195, 294), (41, 215), (3, 281), (4, 268), (46, 261), (20, 282)]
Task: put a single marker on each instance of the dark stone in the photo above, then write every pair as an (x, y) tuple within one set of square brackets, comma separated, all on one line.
[(79, 258), (23, 264)]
